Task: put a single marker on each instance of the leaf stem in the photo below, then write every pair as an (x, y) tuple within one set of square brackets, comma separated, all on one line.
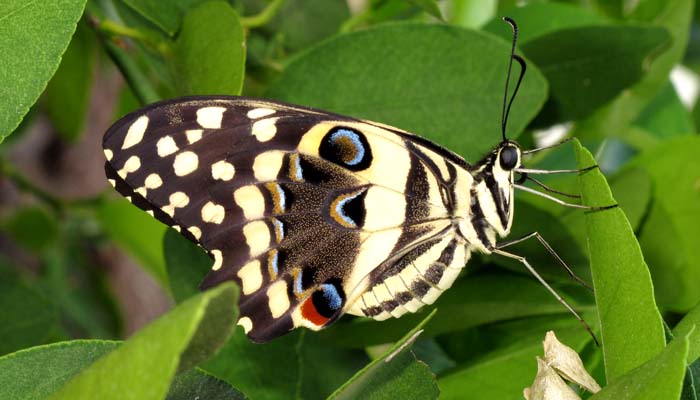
[(137, 80), (264, 16)]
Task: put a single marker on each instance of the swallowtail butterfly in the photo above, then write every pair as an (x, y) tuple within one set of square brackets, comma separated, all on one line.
[(312, 213)]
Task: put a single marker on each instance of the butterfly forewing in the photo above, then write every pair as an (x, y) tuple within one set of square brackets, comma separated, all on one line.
[(312, 213)]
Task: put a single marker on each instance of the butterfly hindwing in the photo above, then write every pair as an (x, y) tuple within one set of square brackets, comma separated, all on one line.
[(308, 211)]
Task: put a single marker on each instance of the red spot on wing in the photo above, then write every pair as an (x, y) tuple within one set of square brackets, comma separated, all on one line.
[(309, 313)]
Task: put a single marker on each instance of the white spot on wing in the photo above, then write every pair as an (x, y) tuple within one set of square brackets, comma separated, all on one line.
[(153, 181), (109, 154), (185, 163), (267, 165), (251, 277), (166, 146), (177, 200), (218, 259), (250, 199), (246, 323), (210, 117), (278, 299), (195, 231), (213, 213), (257, 237), (135, 133), (131, 165), (222, 170), (193, 135), (259, 113), (264, 129)]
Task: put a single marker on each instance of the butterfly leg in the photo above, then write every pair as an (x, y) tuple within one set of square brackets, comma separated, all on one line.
[(550, 250), (551, 290)]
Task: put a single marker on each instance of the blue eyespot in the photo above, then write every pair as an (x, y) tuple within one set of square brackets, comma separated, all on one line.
[(346, 147)]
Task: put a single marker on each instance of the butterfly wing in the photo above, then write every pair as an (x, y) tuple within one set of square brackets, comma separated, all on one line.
[(312, 213)]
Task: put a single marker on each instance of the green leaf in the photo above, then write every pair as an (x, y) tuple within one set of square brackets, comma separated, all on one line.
[(504, 373), (29, 317), (610, 120), (167, 15), (33, 35), (38, 372), (472, 301), (197, 384), (136, 232), (688, 327), (669, 235), (396, 374), (538, 19), (429, 6), (144, 366), (319, 19), (659, 378), (588, 66), (187, 264), (32, 227), (631, 326), (666, 117), (68, 92), (472, 13), (452, 96), (209, 55)]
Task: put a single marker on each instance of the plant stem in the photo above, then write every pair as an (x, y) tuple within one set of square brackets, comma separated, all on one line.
[(264, 16), (136, 79)]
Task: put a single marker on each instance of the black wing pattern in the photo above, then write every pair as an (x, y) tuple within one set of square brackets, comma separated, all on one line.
[(313, 214)]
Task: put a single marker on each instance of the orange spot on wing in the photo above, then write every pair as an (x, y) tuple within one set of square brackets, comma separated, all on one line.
[(309, 313)]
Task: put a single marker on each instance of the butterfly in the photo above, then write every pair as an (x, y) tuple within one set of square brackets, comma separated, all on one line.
[(314, 214)]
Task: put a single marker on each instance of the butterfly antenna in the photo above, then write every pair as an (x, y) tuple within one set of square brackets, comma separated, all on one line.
[(508, 103)]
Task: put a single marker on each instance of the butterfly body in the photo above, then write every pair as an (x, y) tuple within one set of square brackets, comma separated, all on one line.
[(314, 214)]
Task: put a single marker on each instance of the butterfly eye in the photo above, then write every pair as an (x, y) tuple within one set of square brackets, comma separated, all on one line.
[(508, 158)]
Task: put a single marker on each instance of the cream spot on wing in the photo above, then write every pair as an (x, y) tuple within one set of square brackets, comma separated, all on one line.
[(131, 165), (246, 323), (250, 199), (278, 299), (267, 165), (185, 163), (193, 135), (135, 133), (264, 129), (112, 182), (251, 277), (213, 213), (141, 191), (259, 113), (166, 146), (218, 259), (177, 200), (153, 181), (150, 212), (257, 237), (210, 117), (195, 231), (108, 154), (177, 228), (222, 170)]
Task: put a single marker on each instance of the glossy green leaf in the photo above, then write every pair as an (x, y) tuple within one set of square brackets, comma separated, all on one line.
[(688, 326), (396, 374), (187, 264), (209, 55), (631, 326), (429, 6), (505, 373), (319, 19), (68, 92), (659, 378), (136, 232), (588, 66), (29, 317), (167, 15), (32, 227), (666, 116), (33, 36), (52, 365), (144, 366), (538, 19), (197, 384), (472, 13), (669, 236), (453, 96), (472, 301), (675, 16)]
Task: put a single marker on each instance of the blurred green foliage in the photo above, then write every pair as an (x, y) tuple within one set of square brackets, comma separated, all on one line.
[(599, 69)]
